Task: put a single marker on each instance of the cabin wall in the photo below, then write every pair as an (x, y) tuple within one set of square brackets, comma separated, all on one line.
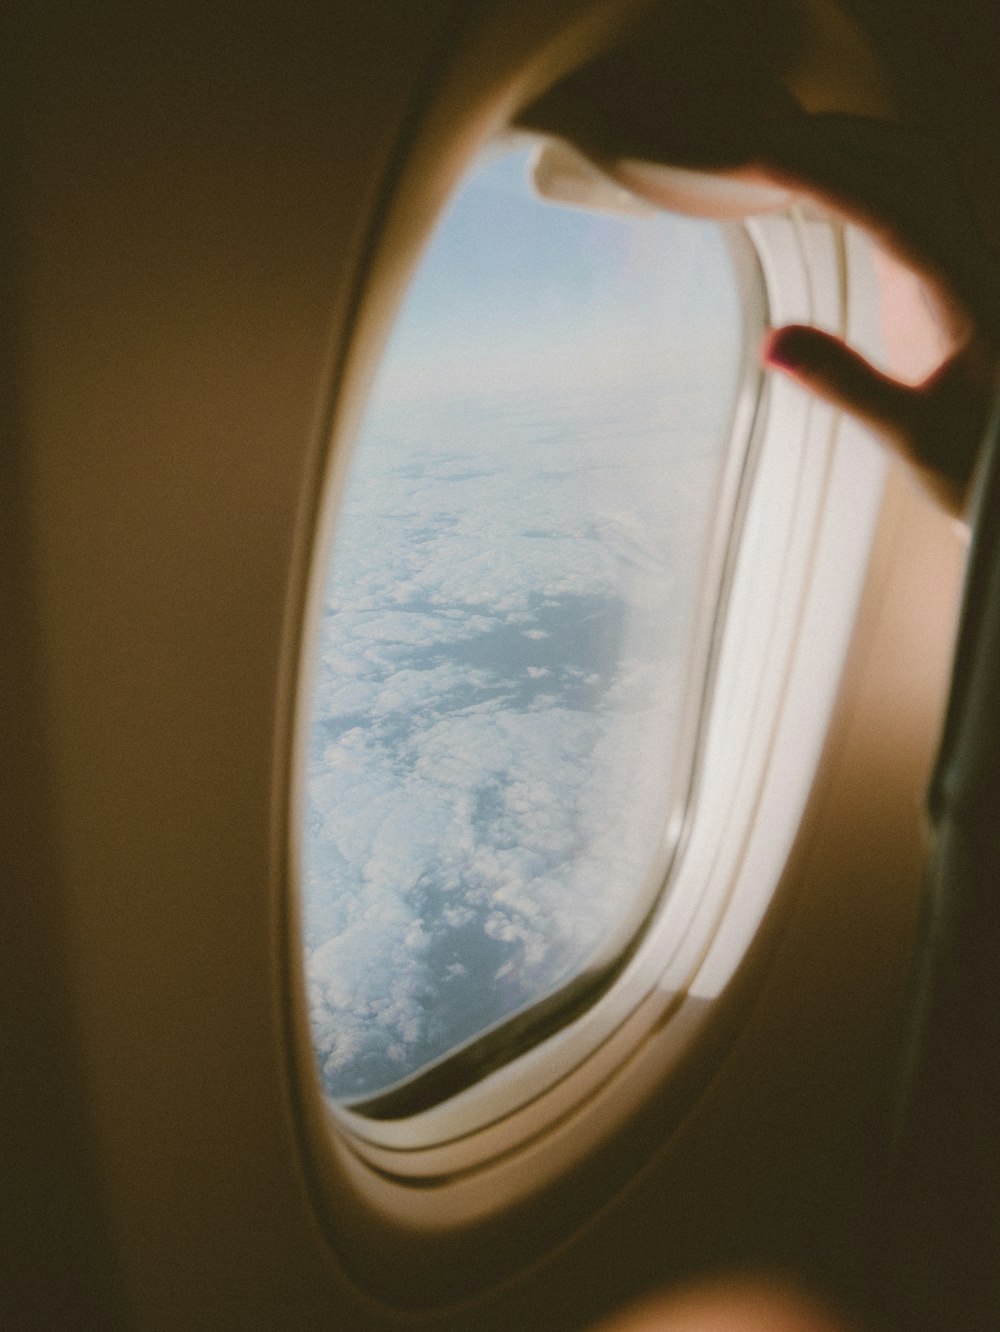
[(188, 184), (192, 187)]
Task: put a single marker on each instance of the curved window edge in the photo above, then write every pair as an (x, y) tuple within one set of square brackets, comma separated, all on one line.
[(755, 748), (381, 1211), (506, 1041), (429, 1169)]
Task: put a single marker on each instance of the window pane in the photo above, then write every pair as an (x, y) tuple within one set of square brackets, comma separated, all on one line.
[(505, 620)]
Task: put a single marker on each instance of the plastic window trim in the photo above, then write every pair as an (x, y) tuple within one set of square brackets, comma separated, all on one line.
[(806, 532)]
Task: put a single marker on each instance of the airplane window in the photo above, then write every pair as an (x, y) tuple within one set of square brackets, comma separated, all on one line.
[(505, 628)]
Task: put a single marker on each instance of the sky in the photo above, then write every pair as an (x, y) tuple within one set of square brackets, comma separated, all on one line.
[(505, 621)]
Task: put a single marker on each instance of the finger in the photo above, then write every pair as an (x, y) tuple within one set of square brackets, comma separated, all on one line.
[(868, 166), (893, 145), (830, 369), (904, 188), (907, 420), (684, 88), (610, 114)]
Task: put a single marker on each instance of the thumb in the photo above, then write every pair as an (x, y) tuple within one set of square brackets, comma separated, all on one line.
[(827, 367)]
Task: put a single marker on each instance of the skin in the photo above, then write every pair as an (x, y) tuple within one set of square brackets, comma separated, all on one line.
[(900, 135), (795, 102), (906, 191), (732, 1306), (910, 193)]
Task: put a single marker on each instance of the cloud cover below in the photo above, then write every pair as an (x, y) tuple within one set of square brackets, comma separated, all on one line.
[(499, 669)]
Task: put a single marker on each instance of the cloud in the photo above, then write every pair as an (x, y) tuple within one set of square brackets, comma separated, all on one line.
[(497, 678), (490, 752)]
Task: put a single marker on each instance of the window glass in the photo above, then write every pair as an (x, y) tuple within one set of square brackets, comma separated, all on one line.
[(505, 620)]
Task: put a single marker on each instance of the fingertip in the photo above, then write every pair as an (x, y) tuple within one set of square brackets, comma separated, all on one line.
[(825, 366), (791, 347)]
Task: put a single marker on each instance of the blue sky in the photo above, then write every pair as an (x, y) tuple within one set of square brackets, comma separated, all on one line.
[(516, 291)]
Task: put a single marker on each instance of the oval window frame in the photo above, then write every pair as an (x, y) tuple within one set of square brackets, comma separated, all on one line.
[(444, 1184), (694, 945), (503, 1042)]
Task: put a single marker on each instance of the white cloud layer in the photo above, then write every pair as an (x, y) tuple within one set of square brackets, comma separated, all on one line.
[(499, 668)]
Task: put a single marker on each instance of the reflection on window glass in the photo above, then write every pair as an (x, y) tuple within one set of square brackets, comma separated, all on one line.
[(505, 619)]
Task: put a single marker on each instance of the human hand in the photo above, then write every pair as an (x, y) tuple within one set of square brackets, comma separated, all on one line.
[(904, 189)]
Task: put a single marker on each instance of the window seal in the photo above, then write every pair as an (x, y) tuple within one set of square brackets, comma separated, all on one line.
[(487, 1120), (499, 1045)]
